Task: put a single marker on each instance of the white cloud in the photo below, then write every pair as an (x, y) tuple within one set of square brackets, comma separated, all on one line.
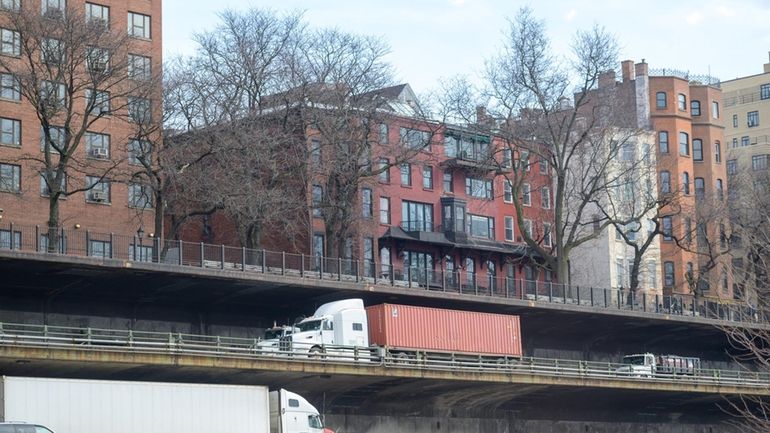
[(458, 2), (570, 15), (694, 18), (725, 11)]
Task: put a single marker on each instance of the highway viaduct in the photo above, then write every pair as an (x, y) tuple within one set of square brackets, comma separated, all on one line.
[(114, 294)]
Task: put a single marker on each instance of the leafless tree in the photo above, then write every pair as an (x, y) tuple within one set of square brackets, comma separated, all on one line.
[(74, 70)]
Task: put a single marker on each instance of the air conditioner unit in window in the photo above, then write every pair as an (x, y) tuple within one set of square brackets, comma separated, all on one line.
[(97, 196), (99, 152)]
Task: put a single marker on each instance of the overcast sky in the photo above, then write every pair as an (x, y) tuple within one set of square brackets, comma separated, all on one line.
[(431, 39)]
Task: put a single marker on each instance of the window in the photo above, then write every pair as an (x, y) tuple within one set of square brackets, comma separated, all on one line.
[(52, 51), (139, 67), (406, 174), (369, 269), (139, 110), (753, 118), (507, 158), (318, 245), (686, 183), (448, 187), (543, 165), (682, 99), (97, 145), (526, 197), (684, 144), (700, 188), (528, 228), (138, 151), (54, 8), (385, 260), (479, 188), (139, 196), (660, 100), (470, 269), (759, 162), (385, 210), (99, 190), (416, 216), (524, 160), (722, 236), (98, 61), (702, 232), (687, 229), (8, 242), (10, 178), (10, 5), (695, 108), (9, 87), (52, 95), (545, 197), (717, 152), (366, 203), (414, 139), (663, 141), (318, 195), (98, 14), (467, 147), (620, 273), (315, 152), (715, 109), (689, 271), (10, 132), (652, 274), (697, 149), (57, 139), (668, 274), (384, 166), (735, 143), (98, 248), (507, 191), (735, 120), (667, 229), (481, 226), (383, 132), (427, 177), (665, 182), (732, 166), (99, 101), (509, 228), (45, 189), (9, 43), (139, 25), (744, 141), (720, 190), (627, 152), (546, 234), (764, 91)]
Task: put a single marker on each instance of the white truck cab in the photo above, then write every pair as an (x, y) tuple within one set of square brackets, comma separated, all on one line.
[(291, 413), (642, 364), (272, 337), (339, 323)]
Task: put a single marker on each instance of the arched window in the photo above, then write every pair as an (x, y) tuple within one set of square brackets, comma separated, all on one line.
[(663, 141), (700, 188), (682, 102), (665, 181), (668, 274), (686, 183), (684, 144), (695, 108), (697, 149), (717, 152), (660, 100)]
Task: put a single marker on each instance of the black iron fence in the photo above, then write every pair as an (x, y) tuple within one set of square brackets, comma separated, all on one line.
[(189, 254)]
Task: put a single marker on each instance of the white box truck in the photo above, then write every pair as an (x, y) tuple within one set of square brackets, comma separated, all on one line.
[(105, 406)]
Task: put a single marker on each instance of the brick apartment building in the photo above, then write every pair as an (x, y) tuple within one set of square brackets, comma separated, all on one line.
[(444, 218), (113, 205)]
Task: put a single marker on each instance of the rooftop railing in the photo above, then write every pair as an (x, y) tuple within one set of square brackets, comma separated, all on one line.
[(278, 264), (694, 79)]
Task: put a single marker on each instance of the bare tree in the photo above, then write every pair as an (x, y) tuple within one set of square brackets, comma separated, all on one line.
[(74, 70)]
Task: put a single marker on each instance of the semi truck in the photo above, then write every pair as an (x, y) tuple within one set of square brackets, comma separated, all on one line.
[(649, 365), (102, 406), (269, 343), (347, 328)]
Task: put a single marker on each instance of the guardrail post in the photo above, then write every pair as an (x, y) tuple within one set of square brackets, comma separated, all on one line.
[(203, 253), (264, 261), (88, 242), (550, 292), (620, 298), (221, 256), (339, 268), (443, 281), (181, 247), (37, 238), (243, 259), (112, 245), (578, 295), (606, 304), (321, 267), (392, 274), (12, 240), (283, 262), (357, 264), (644, 301), (133, 246), (373, 264), (409, 276), (302, 265)]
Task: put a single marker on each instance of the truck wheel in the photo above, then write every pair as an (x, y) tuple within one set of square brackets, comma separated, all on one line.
[(402, 358), (316, 352)]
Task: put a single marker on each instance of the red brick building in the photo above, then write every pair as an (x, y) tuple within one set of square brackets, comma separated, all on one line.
[(115, 205)]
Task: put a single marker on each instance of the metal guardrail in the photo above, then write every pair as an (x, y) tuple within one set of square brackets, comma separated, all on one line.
[(94, 339), (173, 253)]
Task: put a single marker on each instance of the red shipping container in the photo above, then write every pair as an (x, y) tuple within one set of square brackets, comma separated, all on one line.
[(436, 329)]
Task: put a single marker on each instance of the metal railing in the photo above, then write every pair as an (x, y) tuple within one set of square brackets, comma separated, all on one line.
[(174, 253), (695, 79), (745, 98), (95, 339)]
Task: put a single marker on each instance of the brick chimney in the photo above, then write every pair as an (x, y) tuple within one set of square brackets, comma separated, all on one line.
[(606, 79), (627, 70), (481, 115), (641, 69)]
